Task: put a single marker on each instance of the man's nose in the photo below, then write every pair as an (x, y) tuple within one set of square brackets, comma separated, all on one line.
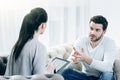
[(93, 32)]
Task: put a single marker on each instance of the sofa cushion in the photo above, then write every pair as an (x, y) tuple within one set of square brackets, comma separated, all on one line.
[(33, 77), (47, 77), (117, 66), (3, 62), (61, 51), (117, 76)]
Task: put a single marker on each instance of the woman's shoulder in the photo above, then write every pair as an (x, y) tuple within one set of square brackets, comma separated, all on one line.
[(35, 43)]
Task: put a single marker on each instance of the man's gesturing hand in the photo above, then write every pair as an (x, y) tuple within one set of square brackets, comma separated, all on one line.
[(77, 57)]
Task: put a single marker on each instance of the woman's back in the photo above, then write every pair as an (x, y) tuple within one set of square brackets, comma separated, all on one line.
[(29, 61), (28, 54)]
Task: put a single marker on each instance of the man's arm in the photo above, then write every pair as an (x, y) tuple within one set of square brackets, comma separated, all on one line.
[(103, 66), (108, 59)]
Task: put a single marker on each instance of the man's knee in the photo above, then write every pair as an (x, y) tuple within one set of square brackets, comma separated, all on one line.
[(107, 76), (65, 71)]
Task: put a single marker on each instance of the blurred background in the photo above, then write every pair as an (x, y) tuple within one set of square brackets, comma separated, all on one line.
[(67, 20)]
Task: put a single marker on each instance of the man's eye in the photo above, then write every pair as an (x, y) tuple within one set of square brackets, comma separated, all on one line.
[(91, 28), (97, 30)]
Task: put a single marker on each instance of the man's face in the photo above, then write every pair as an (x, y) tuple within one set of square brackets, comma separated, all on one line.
[(96, 31)]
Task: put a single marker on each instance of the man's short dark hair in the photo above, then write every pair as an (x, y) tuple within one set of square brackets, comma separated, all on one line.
[(100, 20)]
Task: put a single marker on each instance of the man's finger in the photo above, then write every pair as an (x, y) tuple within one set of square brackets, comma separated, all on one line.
[(82, 50), (74, 49)]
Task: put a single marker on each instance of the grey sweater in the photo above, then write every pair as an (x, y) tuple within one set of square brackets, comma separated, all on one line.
[(32, 60)]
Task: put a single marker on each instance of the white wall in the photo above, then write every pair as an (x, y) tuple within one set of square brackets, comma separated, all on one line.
[(66, 20), (70, 19), (109, 9), (11, 16)]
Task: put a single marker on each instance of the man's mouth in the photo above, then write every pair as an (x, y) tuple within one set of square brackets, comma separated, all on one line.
[(92, 36)]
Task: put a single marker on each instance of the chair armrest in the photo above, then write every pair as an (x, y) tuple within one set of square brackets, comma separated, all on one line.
[(117, 69)]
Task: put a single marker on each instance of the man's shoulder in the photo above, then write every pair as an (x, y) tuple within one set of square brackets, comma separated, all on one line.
[(108, 39)]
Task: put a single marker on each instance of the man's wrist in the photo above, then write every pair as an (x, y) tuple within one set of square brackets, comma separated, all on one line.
[(88, 60)]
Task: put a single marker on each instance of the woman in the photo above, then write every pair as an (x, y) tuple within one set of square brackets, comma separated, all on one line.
[(28, 55)]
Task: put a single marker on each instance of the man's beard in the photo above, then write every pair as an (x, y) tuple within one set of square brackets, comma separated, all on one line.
[(97, 39)]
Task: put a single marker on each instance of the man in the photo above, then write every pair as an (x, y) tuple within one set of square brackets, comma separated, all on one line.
[(96, 53)]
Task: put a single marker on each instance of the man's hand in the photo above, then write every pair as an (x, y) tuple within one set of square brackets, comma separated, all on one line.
[(82, 55), (77, 57)]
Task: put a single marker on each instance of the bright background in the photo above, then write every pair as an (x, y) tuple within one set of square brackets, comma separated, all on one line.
[(67, 20)]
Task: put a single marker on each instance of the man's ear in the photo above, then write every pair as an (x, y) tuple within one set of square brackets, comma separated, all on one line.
[(104, 31)]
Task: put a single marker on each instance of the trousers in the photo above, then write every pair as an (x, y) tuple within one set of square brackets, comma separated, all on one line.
[(70, 74)]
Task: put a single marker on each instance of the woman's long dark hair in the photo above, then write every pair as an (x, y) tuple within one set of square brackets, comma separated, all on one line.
[(31, 22)]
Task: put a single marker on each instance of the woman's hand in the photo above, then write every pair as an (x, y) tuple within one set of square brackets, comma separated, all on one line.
[(51, 67)]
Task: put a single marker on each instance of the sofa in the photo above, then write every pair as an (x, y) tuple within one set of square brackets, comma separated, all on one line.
[(61, 51), (33, 77)]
